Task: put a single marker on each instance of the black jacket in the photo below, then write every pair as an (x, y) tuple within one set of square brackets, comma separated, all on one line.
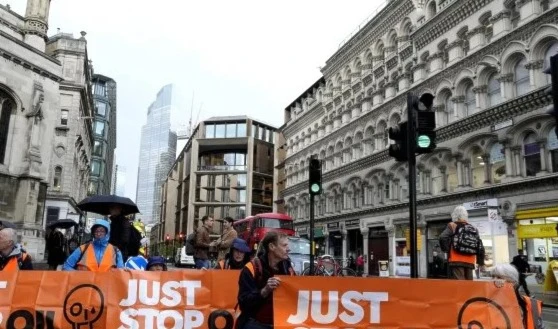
[(249, 297), (121, 236)]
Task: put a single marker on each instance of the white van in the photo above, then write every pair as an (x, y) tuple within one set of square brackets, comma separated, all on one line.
[(183, 260)]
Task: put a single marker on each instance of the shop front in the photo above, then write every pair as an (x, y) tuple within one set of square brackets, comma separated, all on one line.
[(335, 240), (437, 259), (354, 238), (537, 235)]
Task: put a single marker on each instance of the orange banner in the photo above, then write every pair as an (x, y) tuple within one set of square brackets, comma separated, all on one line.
[(321, 302), (206, 299), (85, 300)]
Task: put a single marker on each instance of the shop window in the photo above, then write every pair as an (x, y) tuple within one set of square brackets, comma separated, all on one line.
[(477, 169), (209, 131), (497, 163), (521, 74), (64, 117), (57, 182), (531, 153)]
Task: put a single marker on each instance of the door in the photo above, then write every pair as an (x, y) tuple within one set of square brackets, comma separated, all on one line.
[(378, 249)]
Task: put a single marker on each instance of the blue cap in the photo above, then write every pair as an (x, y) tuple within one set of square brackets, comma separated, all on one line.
[(156, 260), (240, 245)]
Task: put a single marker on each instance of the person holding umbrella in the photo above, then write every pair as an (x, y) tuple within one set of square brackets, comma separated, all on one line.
[(123, 236), (98, 255)]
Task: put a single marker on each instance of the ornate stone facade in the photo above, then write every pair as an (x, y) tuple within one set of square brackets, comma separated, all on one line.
[(29, 107), (494, 138)]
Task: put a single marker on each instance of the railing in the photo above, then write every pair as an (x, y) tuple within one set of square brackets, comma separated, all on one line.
[(222, 167)]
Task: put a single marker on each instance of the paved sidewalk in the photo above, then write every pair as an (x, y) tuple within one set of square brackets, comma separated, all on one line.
[(549, 299)]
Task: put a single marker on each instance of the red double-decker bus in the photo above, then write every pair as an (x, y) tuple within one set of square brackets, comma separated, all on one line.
[(252, 229)]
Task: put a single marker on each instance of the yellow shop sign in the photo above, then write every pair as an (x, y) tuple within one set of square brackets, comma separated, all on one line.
[(537, 231)]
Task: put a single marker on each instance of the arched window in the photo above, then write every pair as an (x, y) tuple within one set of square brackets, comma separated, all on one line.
[(57, 182), (551, 51), (521, 76), (431, 10), (6, 107), (494, 95), (470, 102), (553, 149), (497, 163), (452, 176), (531, 153)]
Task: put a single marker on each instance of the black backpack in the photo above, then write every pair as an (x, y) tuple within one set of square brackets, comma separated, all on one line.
[(466, 239), (190, 244)]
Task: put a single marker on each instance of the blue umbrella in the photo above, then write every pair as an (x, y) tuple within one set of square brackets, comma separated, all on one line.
[(100, 204)]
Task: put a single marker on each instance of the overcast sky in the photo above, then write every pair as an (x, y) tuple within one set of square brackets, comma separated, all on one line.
[(249, 57)]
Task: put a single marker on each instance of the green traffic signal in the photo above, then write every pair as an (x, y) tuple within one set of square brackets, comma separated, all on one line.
[(423, 141), (315, 188)]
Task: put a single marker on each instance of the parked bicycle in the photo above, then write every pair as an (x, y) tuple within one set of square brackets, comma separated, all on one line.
[(326, 265)]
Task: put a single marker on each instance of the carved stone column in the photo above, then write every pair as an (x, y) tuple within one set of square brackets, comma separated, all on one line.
[(419, 72), (459, 170), (506, 86), (537, 78), (458, 107), (467, 172), (542, 145), (344, 242), (364, 231), (444, 187), (480, 96), (436, 62), (517, 160), (501, 23), (509, 158)]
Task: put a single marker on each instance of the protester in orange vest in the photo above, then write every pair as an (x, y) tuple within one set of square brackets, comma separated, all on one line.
[(464, 245), (98, 255), (12, 258), (236, 258), (531, 309)]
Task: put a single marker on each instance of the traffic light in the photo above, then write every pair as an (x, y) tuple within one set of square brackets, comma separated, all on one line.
[(167, 239), (315, 177), (553, 90), (399, 135), (425, 123)]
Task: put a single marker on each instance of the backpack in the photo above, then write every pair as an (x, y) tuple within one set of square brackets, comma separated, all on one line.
[(532, 317), (190, 243), (466, 239)]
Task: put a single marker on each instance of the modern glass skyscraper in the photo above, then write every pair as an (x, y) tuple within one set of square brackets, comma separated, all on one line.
[(157, 155)]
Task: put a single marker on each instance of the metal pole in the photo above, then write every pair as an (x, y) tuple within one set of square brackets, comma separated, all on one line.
[(312, 248), (411, 128)]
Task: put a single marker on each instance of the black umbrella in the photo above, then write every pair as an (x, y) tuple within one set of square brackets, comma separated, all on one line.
[(6, 224), (100, 204), (62, 223)]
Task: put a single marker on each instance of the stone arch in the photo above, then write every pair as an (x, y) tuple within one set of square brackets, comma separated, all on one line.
[(391, 39), (444, 84), (15, 98), (544, 37), (512, 54), (394, 119), (463, 76), (406, 27), (484, 18), (475, 141), (379, 49), (519, 130)]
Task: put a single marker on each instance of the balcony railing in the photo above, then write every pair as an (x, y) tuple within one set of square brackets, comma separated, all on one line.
[(222, 167)]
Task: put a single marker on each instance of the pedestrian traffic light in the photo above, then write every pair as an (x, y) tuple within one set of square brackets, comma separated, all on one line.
[(398, 150), (553, 89), (315, 177), (425, 123)]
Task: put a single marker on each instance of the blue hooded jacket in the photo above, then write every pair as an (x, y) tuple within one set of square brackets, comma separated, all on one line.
[(99, 246)]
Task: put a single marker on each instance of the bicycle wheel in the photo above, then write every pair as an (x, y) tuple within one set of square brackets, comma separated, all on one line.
[(317, 272), (346, 271)]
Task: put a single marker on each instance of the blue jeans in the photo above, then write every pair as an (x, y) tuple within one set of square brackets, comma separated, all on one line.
[(202, 263)]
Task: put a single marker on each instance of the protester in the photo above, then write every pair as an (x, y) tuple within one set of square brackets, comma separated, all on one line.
[(469, 244), (123, 235), (55, 246), (98, 255), (236, 258), (522, 266), (360, 264), (72, 245), (12, 258), (156, 263), (224, 243), (258, 280), (203, 242)]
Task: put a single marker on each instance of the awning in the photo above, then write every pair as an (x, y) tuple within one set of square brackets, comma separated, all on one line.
[(537, 213)]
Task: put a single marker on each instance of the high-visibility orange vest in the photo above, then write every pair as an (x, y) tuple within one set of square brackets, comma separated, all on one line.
[(533, 318), (14, 263), (88, 261)]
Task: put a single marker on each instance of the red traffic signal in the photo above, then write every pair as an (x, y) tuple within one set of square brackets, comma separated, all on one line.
[(168, 237)]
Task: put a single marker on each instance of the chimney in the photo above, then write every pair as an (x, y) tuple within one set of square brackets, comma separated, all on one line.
[(36, 23)]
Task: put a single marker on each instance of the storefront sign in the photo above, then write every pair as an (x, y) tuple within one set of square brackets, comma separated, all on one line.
[(493, 215), (302, 230), (537, 231), (352, 223), (333, 226), (384, 268), (482, 204)]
